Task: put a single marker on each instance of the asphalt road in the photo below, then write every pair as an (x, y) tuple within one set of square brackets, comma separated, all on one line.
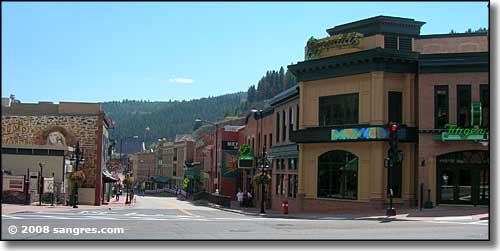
[(168, 218)]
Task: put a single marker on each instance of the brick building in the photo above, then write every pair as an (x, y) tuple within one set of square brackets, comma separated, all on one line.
[(144, 166), (454, 109), (284, 152), (258, 133), (63, 125)]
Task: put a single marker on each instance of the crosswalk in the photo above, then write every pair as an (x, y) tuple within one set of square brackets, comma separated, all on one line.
[(117, 216)]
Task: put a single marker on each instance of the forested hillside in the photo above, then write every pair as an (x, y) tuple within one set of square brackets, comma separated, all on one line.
[(166, 119)]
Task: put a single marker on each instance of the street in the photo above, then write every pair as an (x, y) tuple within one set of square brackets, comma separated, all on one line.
[(168, 218)]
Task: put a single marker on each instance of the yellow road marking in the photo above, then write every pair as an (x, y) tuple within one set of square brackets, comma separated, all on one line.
[(182, 210)]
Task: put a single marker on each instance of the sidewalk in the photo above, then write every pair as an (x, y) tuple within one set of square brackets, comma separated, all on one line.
[(34, 207), (440, 213)]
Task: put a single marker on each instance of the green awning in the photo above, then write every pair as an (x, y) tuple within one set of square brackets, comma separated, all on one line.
[(160, 179)]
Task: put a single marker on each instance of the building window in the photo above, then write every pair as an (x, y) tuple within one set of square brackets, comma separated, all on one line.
[(485, 105), (390, 41), (270, 140), (405, 44), (339, 109), (265, 142), (289, 164), (395, 107), (297, 117), (278, 183), (282, 187), (292, 185), (337, 175), (253, 146), (175, 154), (463, 105), (259, 143), (283, 135), (175, 169), (290, 121), (440, 106), (277, 127)]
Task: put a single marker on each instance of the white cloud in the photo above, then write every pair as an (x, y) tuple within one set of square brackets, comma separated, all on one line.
[(181, 80)]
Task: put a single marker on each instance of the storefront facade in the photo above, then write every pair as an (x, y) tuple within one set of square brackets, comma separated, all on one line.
[(454, 118), (259, 134), (352, 84), (42, 124), (284, 152)]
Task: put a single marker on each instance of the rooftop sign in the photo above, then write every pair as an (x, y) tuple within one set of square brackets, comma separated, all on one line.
[(316, 46)]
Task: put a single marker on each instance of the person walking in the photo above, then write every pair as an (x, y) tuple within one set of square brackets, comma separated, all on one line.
[(239, 197), (245, 199), (249, 199)]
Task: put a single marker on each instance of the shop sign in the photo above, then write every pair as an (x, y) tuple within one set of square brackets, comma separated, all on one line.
[(316, 46), (48, 185), (13, 183), (229, 145), (458, 133), (364, 133), (246, 160), (33, 182)]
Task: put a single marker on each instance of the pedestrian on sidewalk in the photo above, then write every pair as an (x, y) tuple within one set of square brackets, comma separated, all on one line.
[(245, 199), (118, 192), (249, 199), (239, 197)]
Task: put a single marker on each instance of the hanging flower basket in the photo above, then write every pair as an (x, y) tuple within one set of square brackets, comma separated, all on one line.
[(262, 179), (78, 176), (127, 181)]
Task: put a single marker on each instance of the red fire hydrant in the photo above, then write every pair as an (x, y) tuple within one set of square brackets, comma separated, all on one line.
[(285, 206)]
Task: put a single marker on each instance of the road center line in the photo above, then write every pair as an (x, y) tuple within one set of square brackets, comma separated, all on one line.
[(182, 210)]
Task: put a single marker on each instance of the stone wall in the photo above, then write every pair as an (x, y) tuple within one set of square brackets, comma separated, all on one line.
[(35, 129)]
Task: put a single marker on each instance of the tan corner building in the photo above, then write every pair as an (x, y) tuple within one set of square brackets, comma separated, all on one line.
[(352, 84)]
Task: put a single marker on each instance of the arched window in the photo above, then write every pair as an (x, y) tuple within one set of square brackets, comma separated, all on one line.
[(338, 175)]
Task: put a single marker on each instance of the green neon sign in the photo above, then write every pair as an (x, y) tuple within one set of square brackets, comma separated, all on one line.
[(458, 133), (245, 152)]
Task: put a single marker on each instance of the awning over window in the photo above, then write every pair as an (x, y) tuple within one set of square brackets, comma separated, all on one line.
[(160, 179)]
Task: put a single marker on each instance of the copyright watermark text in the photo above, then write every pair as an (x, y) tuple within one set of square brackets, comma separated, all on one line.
[(12, 229)]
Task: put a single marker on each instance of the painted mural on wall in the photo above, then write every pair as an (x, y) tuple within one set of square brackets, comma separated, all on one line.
[(229, 164)]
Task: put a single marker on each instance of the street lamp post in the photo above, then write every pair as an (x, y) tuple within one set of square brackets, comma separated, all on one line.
[(216, 147), (77, 158), (264, 164), (127, 174)]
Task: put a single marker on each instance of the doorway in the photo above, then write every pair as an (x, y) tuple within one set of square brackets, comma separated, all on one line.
[(463, 178)]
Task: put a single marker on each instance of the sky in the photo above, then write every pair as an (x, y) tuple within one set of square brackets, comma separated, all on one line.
[(160, 51)]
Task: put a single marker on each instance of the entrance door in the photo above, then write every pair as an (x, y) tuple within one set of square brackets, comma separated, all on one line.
[(463, 178)]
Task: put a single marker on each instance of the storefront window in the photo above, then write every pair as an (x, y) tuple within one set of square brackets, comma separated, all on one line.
[(463, 105), (339, 109), (440, 106), (292, 185), (337, 175)]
